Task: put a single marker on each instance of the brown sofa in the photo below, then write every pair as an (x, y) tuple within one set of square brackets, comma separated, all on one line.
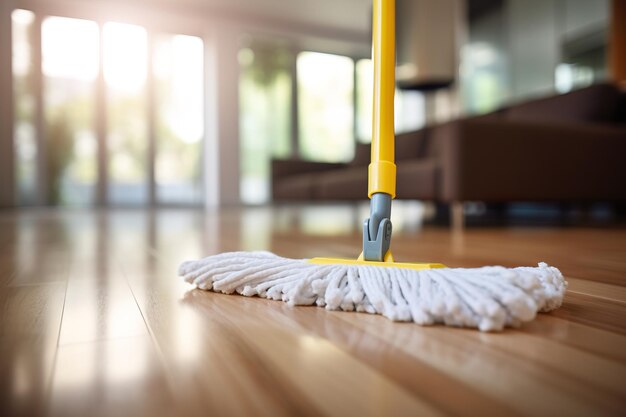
[(570, 147)]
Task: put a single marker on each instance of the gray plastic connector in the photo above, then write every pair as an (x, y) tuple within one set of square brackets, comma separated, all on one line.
[(377, 229)]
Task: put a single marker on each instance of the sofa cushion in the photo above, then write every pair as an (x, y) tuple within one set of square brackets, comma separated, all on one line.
[(417, 179), (344, 184), (410, 145), (295, 187)]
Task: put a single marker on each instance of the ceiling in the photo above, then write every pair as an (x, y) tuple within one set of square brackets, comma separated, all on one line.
[(346, 15)]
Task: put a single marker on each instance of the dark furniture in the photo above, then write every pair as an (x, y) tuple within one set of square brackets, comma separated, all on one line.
[(570, 147)]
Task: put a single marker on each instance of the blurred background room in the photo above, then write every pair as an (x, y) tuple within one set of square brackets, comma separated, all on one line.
[(188, 103)]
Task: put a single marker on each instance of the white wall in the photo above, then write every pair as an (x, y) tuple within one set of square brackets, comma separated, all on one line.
[(221, 145)]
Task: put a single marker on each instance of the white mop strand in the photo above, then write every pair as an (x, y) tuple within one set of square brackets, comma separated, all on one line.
[(488, 298)]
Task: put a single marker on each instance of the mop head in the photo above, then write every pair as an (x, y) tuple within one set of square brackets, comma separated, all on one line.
[(488, 298)]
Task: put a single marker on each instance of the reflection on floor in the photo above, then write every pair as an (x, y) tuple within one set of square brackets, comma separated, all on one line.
[(95, 322)]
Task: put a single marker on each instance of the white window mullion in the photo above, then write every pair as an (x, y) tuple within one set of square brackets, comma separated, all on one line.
[(151, 115), (101, 126)]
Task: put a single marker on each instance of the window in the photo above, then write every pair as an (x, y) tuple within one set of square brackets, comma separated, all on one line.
[(125, 71), (325, 107), (70, 68), (57, 162), (581, 66), (264, 115), (483, 81), (179, 95), (24, 102), (409, 111)]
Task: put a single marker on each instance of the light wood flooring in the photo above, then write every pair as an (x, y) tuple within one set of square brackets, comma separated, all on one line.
[(95, 322)]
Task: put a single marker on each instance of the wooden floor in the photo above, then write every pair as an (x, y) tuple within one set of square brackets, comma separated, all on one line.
[(94, 321)]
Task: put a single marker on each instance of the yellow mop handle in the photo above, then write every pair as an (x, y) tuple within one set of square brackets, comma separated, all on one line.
[(382, 169)]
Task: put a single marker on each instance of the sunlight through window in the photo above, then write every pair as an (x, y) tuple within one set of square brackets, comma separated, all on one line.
[(65, 170), (125, 56), (69, 48), (178, 70), (70, 68), (125, 71), (326, 111)]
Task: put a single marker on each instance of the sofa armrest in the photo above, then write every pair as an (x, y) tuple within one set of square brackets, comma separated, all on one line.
[(287, 167), (520, 161)]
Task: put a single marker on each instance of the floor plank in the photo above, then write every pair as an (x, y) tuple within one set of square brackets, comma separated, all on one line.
[(30, 318), (594, 311), (99, 305), (610, 292), (110, 378)]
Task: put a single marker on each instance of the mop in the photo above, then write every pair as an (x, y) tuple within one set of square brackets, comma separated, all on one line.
[(487, 298)]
